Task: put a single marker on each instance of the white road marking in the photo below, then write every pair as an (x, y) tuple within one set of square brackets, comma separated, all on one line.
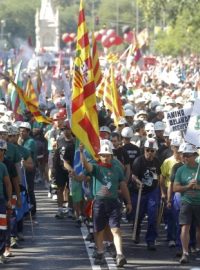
[(110, 262)]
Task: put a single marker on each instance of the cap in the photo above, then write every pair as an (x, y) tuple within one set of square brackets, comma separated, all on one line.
[(159, 109), (159, 126), (151, 143)]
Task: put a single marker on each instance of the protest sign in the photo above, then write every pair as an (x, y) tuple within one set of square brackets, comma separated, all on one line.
[(178, 119), (193, 131)]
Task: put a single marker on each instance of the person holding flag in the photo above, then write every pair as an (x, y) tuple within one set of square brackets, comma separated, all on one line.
[(108, 176)]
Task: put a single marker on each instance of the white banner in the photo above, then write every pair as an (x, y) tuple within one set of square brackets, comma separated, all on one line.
[(193, 131), (178, 119)]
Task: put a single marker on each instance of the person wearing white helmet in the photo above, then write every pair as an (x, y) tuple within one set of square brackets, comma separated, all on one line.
[(104, 132), (146, 172), (187, 182), (5, 202), (29, 143), (176, 207), (131, 149), (129, 116), (108, 176), (166, 169), (159, 110)]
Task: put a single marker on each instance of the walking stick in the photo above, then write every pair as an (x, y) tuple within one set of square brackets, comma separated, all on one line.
[(137, 212), (160, 213), (26, 186)]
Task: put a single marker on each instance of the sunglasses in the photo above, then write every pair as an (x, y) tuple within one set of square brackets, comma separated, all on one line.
[(150, 150), (188, 155)]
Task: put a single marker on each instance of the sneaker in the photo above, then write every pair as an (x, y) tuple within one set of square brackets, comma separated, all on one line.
[(99, 259), (89, 237), (184, 258), (179, 253), (120, 260), (151, 246), (3, 259), (54, 197), (14, 243), (171, 244), (60, 215), (70, 214), (49, 195), (111, 249)]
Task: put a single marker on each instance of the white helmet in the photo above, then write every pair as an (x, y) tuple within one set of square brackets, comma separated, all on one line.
[(149, 126), (105, 149), (189, 148), (25, 125), (159, 126), (181, 147), (151, 143), (105, 129), (129, 112), (3, 128), (127, 132), (3, 144), (176, 141), (108, 142), (122, 121)]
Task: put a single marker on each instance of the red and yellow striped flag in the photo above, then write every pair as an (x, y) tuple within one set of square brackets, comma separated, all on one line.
[(112, 100), (30, 92), (30, 105), (84, 120), (95, 62)]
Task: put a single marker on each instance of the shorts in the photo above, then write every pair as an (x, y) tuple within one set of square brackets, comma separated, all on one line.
[(106, 212), (62, 179), (188, 213), (77, 192), (50, 159)]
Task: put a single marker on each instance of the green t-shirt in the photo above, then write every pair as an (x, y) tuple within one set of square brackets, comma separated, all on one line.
[(3, 173), (183, 176), (12, 153), (106, 180), (30, 144), (24, 152)]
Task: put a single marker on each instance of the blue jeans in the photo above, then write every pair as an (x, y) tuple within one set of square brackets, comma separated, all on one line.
[(148, 205)]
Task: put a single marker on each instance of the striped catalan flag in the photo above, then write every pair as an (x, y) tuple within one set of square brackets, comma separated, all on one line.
[(30, 92), (30, 105), (95, 62), (84, 122), (112, 100)]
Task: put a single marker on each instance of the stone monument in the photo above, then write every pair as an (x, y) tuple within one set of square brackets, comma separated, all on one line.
[(47, 28)]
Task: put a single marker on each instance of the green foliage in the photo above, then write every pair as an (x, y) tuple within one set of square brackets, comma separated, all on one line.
[(182, 17)]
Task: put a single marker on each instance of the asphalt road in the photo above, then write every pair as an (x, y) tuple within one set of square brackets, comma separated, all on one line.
[(58, 244)]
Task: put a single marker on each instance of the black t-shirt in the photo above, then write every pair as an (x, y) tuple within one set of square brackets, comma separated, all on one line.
[(174, 170), (121, 155), (133, 152), (148, 172), (12, 172), (66, 152)]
